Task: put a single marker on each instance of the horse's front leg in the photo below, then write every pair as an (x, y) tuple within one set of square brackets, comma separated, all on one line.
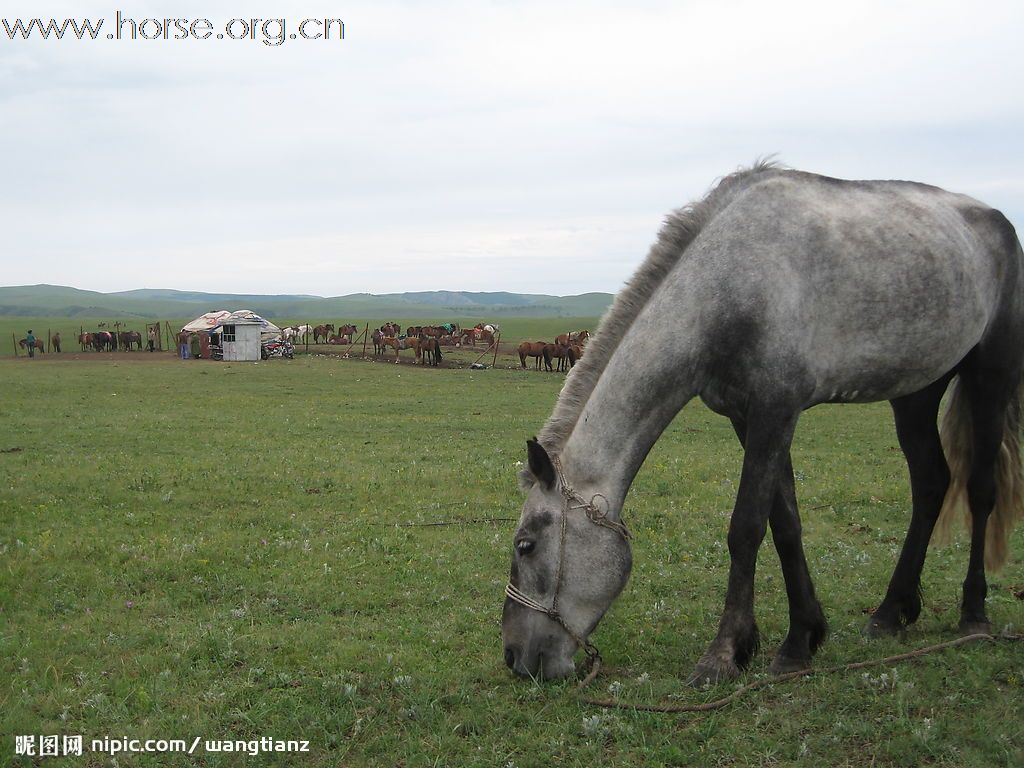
[(768, 438)]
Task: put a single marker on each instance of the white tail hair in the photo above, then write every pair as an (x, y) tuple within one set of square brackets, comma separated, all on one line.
[(957, 441)]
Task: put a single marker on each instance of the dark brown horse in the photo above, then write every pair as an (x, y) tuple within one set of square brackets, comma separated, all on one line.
[(559, 352), (430, 350), (55, 342), (37, 344), (127, 338), (104, 340), (324, 331)]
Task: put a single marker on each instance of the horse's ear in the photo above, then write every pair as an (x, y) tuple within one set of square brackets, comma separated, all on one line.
[(540, 463)]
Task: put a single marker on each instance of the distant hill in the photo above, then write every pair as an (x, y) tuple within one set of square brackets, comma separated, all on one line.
[(62, 301)]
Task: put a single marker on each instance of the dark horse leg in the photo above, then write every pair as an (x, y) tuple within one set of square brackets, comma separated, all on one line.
[(807, 624), (768, 437), (918, 434), (992, 395)]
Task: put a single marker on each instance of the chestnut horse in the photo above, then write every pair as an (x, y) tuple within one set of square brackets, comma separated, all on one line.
[(535, 349), (573, 337)]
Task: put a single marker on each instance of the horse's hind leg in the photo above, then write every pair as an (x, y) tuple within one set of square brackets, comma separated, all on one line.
[(915, 417), (995, 416)]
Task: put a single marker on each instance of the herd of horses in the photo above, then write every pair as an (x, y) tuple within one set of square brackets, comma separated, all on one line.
[(326, 332), (426, 340), (106, 341), (566, 349)]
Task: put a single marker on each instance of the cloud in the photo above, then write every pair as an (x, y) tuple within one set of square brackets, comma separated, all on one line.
[(441, 137)]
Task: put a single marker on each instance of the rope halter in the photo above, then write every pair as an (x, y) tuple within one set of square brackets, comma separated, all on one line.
[(571, 501)]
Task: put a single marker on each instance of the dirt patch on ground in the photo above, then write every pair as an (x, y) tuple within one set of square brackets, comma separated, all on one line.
[(113, 357), (452, 357)]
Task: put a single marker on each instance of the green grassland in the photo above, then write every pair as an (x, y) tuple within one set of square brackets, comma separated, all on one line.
[(236, 551)]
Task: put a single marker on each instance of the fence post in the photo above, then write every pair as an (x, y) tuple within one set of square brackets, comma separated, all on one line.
[(497, 342), (366, 332), (14, 341)]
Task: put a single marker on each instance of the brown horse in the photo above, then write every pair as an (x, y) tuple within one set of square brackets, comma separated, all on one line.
[(55, 342), (322, 330), (536, 349), (104, 341), (37, 344), (389, 341), (430, 351), (573, 337), (559, 352), (85, 339), (400, 343), (127, 338), (574, 353)]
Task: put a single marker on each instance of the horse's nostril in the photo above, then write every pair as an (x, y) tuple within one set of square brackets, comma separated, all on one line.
[(510, 658)]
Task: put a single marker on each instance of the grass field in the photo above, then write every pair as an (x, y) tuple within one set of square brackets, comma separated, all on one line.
[(237, 551)]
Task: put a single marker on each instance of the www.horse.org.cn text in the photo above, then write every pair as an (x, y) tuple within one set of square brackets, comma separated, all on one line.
[(270, 32)]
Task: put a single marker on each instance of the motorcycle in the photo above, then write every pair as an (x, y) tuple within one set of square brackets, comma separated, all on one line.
[(276, 348)]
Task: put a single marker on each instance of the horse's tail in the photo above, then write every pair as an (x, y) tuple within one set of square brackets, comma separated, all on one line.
[(957, 440)]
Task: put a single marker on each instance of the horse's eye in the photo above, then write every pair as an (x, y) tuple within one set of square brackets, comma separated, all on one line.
[(525, 546)]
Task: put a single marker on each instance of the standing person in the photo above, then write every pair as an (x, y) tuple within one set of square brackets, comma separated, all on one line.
[(196, 345), (183, 345), (30, 342), (152, 338)]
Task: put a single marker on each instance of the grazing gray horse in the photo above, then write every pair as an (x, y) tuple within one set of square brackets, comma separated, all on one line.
[(790, 290)]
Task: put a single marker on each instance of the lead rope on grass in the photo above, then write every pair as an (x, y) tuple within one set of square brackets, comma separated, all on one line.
[(595, 667)]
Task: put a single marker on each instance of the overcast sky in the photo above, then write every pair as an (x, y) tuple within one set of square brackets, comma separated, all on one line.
[(520, 146)]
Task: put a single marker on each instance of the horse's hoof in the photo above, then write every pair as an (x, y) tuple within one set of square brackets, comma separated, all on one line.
[(711, 670), (782, 665), (877, 629), (968, 628)]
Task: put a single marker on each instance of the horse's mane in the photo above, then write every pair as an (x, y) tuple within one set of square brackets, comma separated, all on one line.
[(679, 230)]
